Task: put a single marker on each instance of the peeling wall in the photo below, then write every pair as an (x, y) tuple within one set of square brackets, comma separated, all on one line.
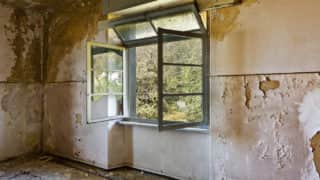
[(104, 144), (264, 115), (255, 128), (20, 81), (267, 37), (67, 133), (69, 29), (265, 137)]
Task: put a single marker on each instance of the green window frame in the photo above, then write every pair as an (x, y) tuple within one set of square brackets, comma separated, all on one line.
[(129, 68), (166, 124)]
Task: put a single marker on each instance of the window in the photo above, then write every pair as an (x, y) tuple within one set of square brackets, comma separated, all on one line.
[(146, 82), (143, 29), (182, 73), (167, 70), (105, 96)]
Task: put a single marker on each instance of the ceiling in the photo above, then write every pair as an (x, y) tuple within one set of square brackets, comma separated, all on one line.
[(116, 5), (38, 3)]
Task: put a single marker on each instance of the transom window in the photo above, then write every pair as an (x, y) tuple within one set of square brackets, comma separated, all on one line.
[(167, 71)]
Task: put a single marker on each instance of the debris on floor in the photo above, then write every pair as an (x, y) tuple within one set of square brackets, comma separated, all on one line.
[(53, 168)]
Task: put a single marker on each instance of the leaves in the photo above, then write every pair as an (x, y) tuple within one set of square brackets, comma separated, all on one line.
[(177, 79)]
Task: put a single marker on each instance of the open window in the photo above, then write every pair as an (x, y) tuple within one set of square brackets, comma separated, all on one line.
[(167, 71), (105, 85), (143, 29), (182, 70)]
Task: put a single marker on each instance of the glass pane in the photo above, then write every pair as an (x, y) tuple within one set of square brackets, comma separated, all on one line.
[(106, 106), (135, 31), (186, 21), (182, 108), (146, 82), (113, 38), (107, 61), (182, 79), (185, 51), (107, 66), (107, 82)]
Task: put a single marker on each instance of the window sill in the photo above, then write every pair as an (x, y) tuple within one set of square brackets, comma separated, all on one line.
[(126, 122)]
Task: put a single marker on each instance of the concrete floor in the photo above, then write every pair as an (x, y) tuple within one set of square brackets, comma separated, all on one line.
[(53, 168)]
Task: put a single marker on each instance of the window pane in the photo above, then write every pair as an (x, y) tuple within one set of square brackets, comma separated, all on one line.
[(113, 37), (107, 61), (182, 79), (107, 75), (186, 21), (146, 82), (186, 51), (135, 31), (106, 106), (182, 108), (107, 82)]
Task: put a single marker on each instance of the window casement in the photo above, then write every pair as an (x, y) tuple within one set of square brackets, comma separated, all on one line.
[(105, 82), (165, 75)]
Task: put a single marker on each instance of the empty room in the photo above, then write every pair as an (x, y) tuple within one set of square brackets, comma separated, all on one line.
[(159, 89)]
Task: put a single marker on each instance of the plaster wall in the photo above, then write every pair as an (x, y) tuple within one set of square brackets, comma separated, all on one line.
[(256, 130), (269, 37), (67, 132), (105, 144), (20, 81), (179, 154)]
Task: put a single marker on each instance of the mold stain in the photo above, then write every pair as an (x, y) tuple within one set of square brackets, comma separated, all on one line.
[(68, 28), (224, 20), (27, 67)]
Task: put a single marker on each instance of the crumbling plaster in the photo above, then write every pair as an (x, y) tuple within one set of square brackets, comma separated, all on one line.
[(262, 70), (20, 81), (266, 137), (255, 129), (104, 144), (254, 118), (100, 144)]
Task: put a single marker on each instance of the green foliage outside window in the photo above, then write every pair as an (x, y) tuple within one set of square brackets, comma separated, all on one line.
[(177, 79), (107, 74)]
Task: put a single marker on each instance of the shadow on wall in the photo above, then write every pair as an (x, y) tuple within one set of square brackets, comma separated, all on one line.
[(119, 145), (59, 114)]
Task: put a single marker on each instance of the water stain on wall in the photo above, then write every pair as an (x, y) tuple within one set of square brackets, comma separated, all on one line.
[(67, 29), (247, 95), (224, 19), (267, 85), (315, 144), (22, 106), (26, 45)]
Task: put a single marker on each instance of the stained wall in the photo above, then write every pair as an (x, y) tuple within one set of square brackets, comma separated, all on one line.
[(255, 119), (20, 81), (257, 131), (104, 144), (67, 132)]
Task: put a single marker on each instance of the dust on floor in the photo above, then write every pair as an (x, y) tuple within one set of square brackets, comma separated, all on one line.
[(53, 168)]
